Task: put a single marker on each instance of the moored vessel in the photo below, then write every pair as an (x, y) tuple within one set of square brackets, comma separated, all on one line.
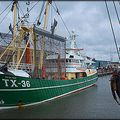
[(37, 74)]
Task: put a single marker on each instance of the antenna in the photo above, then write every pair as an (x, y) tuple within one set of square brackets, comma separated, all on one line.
[(73, 36)]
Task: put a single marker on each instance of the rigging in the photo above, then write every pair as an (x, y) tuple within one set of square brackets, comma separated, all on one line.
[(116, 12), (5, 16), (57, 10), (113, 89), (115, 41), (5, 9), (20, 9), (38, 22)]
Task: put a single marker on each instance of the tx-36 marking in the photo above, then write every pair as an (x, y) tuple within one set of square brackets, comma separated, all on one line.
[(14, 83)]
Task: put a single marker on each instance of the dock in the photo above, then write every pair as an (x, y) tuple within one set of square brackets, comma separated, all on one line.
[(104, 71)]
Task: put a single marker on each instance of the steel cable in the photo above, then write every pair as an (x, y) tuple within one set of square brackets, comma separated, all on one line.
[(57, 10), (116, 12), (5, 9), (112, 30), (4, 17), (20, 9)]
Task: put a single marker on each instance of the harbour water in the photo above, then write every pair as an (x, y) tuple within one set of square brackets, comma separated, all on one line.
[(93, 103)]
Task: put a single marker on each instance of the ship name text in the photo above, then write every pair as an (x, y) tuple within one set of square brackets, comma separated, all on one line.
[(14, 83)]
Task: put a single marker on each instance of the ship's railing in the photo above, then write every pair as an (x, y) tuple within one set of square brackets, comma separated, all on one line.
[(22, 66)]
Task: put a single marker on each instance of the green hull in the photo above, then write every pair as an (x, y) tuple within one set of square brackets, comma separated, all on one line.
[(29, 91)]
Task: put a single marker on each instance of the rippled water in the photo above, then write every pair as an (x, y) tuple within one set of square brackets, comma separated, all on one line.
[(94, 102)]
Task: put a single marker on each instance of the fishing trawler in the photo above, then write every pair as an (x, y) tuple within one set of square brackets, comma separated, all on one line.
[(77, 64), (37, 66)]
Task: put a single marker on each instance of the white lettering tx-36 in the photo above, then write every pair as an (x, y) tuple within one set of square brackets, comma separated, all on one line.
[(14, 83)]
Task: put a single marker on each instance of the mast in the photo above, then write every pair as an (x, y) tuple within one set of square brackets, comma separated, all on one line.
[(72, 44), (73, 40), (12, 44), (27, 38), (43, 37), (14, 27)]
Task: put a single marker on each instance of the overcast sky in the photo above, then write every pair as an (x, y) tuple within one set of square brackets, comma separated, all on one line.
[(88, 19)]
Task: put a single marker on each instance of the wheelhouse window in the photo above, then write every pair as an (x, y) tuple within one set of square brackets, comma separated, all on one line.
[(71, 56), (77, 61), (66, 60)]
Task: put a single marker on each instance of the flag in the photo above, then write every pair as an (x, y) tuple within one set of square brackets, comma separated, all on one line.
[(53, 26), (10, 28)]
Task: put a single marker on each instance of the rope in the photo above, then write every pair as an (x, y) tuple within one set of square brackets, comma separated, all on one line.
[(16, 23), (4, 17), (51, 15), (4, 37), (38, 18), (116, 12), (41, 10), (33, 6), (57, 10), (112, 30), (21, 9), (9, 32), (31, 9), (12, 40), (119, 2), (5, 9)]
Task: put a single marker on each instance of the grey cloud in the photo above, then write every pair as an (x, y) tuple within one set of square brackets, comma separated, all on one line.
[(89, 20)]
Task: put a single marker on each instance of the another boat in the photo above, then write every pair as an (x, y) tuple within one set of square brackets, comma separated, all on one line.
[(58, 73)]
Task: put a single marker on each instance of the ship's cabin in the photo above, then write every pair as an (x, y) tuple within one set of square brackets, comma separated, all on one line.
[(68, 60), (76, 75)]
